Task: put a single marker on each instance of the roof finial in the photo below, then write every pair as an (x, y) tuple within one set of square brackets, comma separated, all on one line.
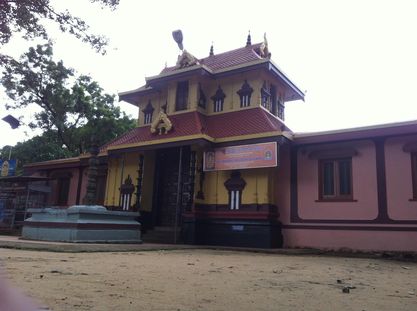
[(211, 49), (263, 49), (249, 40)]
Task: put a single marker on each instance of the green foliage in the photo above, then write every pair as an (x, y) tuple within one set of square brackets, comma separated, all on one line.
[(73, 109), (25, 17), (39, 148)]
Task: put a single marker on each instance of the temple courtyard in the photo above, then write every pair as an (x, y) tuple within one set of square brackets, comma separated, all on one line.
[(207, 279)]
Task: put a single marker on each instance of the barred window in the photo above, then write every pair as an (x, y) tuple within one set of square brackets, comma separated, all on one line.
[(335, 179), (218, 100)]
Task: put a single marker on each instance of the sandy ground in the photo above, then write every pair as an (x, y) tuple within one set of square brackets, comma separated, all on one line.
[(210, 280)]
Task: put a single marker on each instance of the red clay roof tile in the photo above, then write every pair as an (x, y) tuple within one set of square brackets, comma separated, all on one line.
[(227, 59), (230, 124), (243, 122)]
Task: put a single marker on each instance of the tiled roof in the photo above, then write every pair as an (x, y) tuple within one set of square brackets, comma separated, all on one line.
[(243, 122), (227, 59), (53, 162), (184, 124), (236, 123)]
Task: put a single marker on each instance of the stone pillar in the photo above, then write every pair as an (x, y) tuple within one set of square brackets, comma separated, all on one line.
[(91, 195)]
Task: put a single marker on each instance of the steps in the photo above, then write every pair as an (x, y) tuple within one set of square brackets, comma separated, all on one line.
[(162, 235)]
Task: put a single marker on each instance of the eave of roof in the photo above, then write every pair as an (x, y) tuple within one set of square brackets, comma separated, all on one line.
[(245, 124), (177, 72), (73, 160), (364, 132), (229, 62), (278, 72), (129, 96)]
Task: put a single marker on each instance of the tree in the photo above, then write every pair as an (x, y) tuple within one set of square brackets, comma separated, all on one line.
[(25, 17), (39, 148), (72, 108)]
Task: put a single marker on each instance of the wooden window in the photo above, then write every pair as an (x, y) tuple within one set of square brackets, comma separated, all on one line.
[(414, 173), (148, 118), (281, 110), (234, 200), (335, 179), (265, 97), (235, 185), (218, 100), (245, 94), (218, 105), (201, 97), (181, 96), (147, 113), (274, 100)]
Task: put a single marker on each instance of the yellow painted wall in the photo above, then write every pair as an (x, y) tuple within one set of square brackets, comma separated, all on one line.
[(258, 189), (157, 100), (266, 77), (131, 163), (118, 171), (113, 182), (229, 84)]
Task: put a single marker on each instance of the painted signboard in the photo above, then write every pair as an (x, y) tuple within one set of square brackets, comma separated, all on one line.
[(241, 157), (8, 168)]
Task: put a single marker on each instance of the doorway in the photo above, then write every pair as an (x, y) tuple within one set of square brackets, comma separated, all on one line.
[(171, 199)]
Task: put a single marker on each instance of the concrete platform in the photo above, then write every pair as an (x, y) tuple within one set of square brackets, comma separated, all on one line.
[(82, 223), (14, 242)]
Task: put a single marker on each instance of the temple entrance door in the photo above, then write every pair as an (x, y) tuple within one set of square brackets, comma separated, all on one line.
[(166, 190)]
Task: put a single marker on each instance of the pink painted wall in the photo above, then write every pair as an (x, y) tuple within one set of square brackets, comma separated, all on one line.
[(352, 239), (72, 194), (399, 191), (399, 180), (364, 187)]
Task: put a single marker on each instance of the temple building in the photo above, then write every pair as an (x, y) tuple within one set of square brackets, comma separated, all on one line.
[(211, 161), (204, 157)]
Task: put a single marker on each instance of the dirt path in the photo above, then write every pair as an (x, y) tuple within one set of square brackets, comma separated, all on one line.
[(210, 280)]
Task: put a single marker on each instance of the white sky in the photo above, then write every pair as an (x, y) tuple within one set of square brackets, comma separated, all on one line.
[(357, 60)]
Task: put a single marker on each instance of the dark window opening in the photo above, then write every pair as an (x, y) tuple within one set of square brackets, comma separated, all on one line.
[(245, 94), (274, 103), (335, 179), (148, 112), (281, 110), (201, 97), (265, 97), (181, 96), (235, 185), (218, 100)]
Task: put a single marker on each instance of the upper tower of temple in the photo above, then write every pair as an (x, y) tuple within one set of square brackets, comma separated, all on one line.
[(231, 81), (238, 94)]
